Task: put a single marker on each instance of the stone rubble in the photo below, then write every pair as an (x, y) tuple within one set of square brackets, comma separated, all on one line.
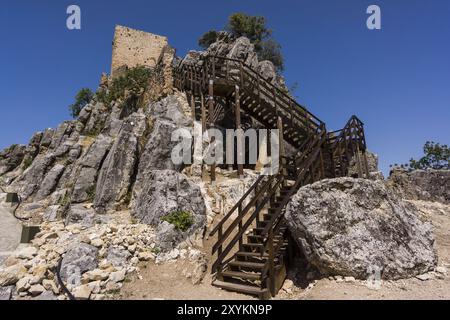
[(96, 261)]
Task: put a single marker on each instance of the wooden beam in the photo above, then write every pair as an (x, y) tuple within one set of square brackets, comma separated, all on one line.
[(237, 112)]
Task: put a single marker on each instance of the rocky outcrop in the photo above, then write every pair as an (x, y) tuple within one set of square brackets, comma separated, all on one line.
[(115, 177), (426, 185), (353, 227), (167, 191), (32, 178), (11, 158), (50, 181), (168, 115), (240, 49)]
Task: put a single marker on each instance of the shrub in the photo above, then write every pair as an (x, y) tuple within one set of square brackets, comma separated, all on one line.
[(64, 201), (207, 39), (27, 163), (130, 85), (83, 97), (271, 50), (182, 220), (91, 192)]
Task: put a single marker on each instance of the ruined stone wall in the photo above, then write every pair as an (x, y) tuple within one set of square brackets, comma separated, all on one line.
[(133, 47)]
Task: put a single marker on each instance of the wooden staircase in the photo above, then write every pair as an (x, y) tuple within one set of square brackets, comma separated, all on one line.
[(254, 247)]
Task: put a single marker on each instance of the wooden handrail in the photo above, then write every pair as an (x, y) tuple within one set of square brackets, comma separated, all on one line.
[(220, 224), (240, 218), (261, 204)]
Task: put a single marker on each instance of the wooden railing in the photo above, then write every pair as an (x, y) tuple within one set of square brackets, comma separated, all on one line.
[(348, 143), (196, 78), (264, 188)]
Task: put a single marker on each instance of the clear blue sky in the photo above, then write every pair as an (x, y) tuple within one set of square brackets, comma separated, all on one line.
[(396, 80)]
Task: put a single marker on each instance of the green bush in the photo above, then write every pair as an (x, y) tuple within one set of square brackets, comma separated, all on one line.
[(182, 220), (130, 85), (207, 39), (91, 192), (64, 201), (83, 97), (27, 163)]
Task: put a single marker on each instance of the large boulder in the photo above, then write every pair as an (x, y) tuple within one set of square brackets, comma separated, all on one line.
[(426, 185), (167, 191), (354, 227), (79, 259)]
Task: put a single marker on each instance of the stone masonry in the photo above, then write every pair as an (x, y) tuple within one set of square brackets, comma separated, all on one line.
[(133, 47)]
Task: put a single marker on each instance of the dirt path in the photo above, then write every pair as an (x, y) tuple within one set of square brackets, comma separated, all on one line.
[(167, 282)]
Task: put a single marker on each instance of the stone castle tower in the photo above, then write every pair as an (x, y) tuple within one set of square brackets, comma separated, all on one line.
[(133, 47)]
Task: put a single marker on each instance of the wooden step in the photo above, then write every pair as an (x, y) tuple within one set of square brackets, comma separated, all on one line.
[(241, 288), (246, 264), (253, 246), (242, 275), (251, 254)]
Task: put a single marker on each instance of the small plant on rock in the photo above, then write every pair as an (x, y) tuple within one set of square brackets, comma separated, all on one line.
[(91, 193), (27, 163), (182, 220)]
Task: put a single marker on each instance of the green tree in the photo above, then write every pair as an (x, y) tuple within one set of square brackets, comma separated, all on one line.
[(252, 27), (83, 97), (436, 156), (271, 50), (207, 39)]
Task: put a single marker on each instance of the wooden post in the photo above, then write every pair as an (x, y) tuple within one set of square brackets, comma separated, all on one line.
[(237, 112), (322, 166), (358, 157), (211, 124), (240, 226), (219, 250)]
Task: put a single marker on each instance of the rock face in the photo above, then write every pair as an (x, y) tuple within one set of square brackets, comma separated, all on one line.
[(353, 227), (114, 179), (429, 185), (166, 191), (11, 157)]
